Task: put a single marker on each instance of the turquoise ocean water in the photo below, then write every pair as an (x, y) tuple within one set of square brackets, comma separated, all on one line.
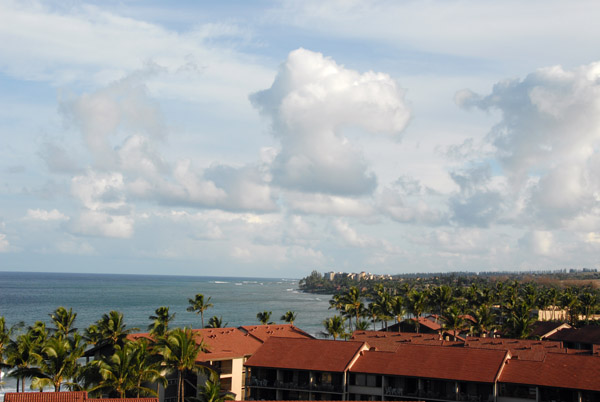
[(30, 297)]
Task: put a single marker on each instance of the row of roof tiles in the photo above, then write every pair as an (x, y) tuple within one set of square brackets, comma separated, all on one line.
[(228, 343), (73, 396), (531, 363)]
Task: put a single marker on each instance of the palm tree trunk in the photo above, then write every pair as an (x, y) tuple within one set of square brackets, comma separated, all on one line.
[(179, 387)]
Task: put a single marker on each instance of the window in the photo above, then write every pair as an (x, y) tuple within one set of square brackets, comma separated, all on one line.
[(360, 379), (372, 381)]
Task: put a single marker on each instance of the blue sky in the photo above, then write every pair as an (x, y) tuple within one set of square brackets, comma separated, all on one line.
[(273, 138)]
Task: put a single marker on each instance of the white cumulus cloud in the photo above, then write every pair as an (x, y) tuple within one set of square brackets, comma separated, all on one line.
[(43, 215), (310, 102), (4, 244), (546, 146)]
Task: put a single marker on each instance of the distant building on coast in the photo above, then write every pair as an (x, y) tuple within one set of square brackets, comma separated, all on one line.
[(354, 276)]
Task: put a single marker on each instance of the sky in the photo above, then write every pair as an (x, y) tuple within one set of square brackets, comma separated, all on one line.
[(272, 138)]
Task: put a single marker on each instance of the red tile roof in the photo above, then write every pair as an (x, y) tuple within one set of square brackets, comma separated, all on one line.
[(124, 400), (228, 343), (79, 396), (589, 334), (426, 322), (437, 362), (556, 370), (519, 348), (389, 341), (263, 332), (306, 354), (543, 328), (221, 343)]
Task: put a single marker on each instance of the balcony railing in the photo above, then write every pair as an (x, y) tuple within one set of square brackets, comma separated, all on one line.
[(325, 387), (391, 391)]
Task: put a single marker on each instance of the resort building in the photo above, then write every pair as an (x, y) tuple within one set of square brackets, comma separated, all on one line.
[(403, 367), (543, 329), (585, 338), (226, 351), (301, 369)]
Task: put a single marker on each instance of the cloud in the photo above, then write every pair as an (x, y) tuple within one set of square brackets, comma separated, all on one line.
[(105, 210), (123, 129), (311, 100), (538, 242), (321, 204), (122, 108), (43, 215), (408, 201), (74, 246), (58, 159), (245, 187), (4, 244), (506, 32), (350, 236), (98, 223), (547, 144), (85, 43)]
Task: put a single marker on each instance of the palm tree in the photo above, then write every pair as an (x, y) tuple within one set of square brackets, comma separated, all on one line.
[(485, 320), (147, 367), (216, 322), (92, 335), (373, 312), (58, 362), (337, 302), (334, 326), (23, 356), (383, 306), (363, 325), (161, 320), (118, 371), (530, 295), (179, 349), (416, 303), (353, 303), (64, 320), (290, 316), (553, 296), (398, 309), (588, 302), (441, 298), (5, 334), (519, 322), (571, 304), (199, 305), (112, 329), (264, 317), (453, 320), (211, 390)]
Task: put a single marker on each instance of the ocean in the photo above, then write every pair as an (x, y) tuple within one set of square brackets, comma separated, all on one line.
[(30, 297)]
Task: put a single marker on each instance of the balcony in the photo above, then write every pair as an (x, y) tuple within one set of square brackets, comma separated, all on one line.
[(324, 387), (432, 395)]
